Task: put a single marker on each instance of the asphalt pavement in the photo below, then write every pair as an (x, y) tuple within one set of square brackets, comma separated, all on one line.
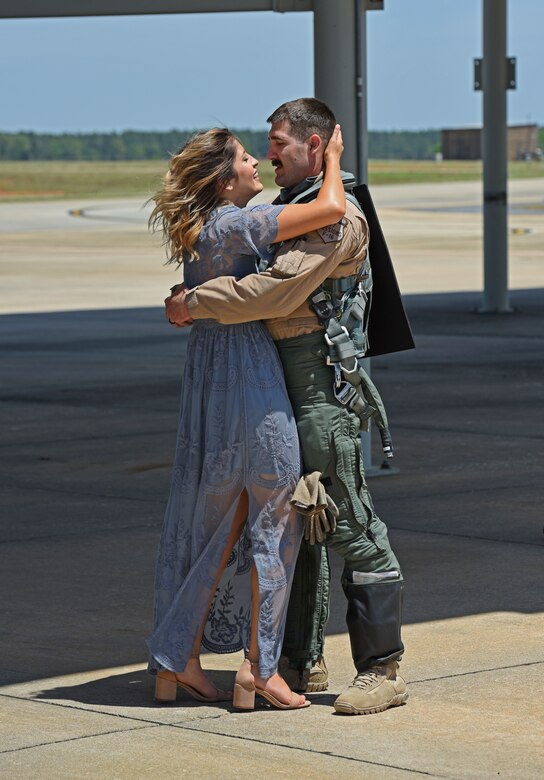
[(89, 405)]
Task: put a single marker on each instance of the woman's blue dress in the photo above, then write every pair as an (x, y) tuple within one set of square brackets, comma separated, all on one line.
[(236, 432)]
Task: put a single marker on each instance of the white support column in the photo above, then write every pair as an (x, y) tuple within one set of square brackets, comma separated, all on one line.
[(495, 172)]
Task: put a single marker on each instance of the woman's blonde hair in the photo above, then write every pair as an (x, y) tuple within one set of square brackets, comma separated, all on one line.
[(191, 189)]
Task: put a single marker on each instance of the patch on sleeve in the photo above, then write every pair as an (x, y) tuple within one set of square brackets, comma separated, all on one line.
[(332, 233)]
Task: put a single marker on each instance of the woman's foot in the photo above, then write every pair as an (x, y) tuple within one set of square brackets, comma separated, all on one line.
[(274, 689), (193, 680)]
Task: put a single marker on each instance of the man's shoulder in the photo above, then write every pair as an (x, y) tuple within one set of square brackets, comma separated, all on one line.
[(354, 214), (352, 223)]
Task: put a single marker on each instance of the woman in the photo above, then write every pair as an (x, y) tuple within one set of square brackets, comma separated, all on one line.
[(230, 537)]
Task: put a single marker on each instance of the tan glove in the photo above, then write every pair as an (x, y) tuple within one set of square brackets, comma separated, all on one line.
[(317, 508)]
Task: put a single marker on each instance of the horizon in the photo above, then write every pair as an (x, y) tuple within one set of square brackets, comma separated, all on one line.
[(196, 129)]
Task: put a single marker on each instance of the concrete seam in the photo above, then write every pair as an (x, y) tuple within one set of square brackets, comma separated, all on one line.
[(327, 753), (476, 671), (149, 723), (467, 432), (75, 739), (75, 439), (464, 536), (461, 491), (23, 486), (189, 727)]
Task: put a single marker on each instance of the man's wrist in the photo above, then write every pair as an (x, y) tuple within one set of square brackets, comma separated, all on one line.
[(190, 299)]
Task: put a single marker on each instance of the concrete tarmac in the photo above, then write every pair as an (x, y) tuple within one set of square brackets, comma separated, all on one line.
[(89, 413)]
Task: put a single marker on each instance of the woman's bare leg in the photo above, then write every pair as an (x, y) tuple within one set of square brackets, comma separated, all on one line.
[(275, 684), (193, 674)]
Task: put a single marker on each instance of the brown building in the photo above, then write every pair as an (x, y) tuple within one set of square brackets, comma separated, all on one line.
[(466, 143)]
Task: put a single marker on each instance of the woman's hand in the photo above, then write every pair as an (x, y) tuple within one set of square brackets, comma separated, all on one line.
[(335, 147)]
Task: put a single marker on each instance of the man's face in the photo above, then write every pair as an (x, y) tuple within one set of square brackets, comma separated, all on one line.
[(290, 157)]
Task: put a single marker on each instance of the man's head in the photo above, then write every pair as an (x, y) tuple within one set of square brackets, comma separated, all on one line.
[(300, 131)]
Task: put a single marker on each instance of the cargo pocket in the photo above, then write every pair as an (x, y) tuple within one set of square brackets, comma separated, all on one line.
[(287, 265), (348, 471)]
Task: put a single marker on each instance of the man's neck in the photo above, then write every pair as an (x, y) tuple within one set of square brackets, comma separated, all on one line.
[(288, 193)]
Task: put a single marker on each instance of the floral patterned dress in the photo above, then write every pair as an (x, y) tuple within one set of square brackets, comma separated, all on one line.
[(236, 432)]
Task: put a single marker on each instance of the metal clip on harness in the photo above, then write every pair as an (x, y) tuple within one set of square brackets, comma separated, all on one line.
[(353, 387)]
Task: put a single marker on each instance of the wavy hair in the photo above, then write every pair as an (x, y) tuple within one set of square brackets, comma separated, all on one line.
[(191, 189)]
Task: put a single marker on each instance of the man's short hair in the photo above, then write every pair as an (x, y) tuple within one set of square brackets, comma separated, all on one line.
[(306, 116)]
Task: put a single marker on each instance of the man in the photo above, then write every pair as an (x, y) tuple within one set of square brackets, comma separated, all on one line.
[(328, 431)]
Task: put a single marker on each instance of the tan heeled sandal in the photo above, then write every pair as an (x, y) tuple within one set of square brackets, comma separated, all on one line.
[(167, 684), (245, 690)]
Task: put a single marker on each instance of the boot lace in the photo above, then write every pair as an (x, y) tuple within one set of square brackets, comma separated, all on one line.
[(371, 676)]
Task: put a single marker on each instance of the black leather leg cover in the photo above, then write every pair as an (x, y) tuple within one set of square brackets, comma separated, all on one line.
[(374, 619)]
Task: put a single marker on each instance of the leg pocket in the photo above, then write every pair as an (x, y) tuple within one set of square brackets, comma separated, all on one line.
[(348, 469)]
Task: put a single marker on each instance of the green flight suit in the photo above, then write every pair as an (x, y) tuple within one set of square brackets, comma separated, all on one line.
[(330, 443)]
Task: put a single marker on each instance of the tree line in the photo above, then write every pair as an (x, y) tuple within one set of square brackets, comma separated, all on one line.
[(137, 145)]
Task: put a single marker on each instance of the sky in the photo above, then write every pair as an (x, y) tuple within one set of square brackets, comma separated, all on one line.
[(190, 71)]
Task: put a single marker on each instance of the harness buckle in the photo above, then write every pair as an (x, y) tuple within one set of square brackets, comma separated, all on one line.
[(344, 392), (323, 307), (328, 339)]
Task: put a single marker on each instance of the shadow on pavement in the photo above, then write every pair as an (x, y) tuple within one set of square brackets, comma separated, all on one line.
[(89, 405), (129, 689)]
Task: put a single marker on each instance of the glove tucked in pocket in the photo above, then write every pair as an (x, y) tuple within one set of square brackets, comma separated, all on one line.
[(317, 508)]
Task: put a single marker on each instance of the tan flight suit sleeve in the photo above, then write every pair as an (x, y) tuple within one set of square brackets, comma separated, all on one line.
[(300, 266)]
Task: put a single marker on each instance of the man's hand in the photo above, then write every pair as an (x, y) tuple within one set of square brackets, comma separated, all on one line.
[(177, 312)]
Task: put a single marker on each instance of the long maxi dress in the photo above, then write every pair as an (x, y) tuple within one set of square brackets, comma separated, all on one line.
[(236, 432)]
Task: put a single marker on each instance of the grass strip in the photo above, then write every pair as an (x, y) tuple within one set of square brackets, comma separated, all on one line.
[(48, 180)]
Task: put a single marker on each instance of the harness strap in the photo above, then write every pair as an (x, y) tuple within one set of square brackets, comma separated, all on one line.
[(353, 387), (342, 306)]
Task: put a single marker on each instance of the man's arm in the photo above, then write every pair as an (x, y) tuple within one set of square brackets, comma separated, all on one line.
[(299, 268)]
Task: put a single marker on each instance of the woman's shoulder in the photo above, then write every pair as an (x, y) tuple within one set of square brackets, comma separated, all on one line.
[(231, 219), (231, 213)]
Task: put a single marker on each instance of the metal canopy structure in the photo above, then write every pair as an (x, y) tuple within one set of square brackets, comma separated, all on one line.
[(48, 8)]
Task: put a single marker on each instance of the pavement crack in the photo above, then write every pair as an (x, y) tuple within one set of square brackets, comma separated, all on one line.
[(476, 671), (84, 533), (467, 431), (63, 491), (76, 739), (137, 719), (423, 531), (8, 446), (328, 753)]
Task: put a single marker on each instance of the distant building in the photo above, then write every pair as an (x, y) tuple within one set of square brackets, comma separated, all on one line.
[(465, 143)]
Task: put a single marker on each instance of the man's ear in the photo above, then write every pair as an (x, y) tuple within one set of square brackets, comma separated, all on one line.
[(315, 142)]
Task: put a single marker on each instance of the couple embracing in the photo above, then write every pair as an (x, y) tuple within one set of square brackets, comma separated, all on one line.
[(258, 410)]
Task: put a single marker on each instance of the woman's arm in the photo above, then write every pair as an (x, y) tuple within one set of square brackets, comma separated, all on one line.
[(329, 206), (299, 268)]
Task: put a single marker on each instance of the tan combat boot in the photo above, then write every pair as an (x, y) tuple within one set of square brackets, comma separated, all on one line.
[(374, 690), (311, 681), (317, 679)]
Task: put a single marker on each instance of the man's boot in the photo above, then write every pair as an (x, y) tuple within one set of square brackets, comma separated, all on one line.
[(306, 680), (372, 691), (374, 620), (318, 677), (307, 617)]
